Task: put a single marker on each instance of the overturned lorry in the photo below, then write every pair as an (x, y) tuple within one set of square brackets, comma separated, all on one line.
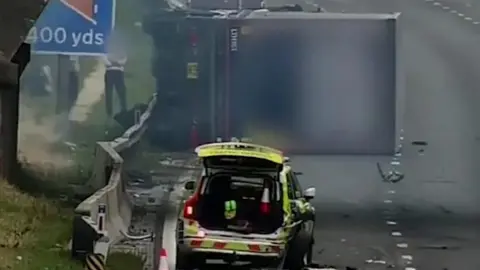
[(313, 83)]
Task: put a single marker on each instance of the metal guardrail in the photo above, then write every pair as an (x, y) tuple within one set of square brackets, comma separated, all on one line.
[(104, 217)]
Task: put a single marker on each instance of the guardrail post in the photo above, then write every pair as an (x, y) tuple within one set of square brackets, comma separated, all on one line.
[(137, 116), (101, 219), (102, 246)]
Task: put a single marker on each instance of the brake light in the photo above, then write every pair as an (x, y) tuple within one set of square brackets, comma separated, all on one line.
[(189, 207), (193, 38)]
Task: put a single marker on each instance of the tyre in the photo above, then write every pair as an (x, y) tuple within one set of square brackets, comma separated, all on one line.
[(298, 250), (187, 261)]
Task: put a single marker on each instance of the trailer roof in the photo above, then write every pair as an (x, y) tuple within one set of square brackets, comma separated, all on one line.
[(266, 14)]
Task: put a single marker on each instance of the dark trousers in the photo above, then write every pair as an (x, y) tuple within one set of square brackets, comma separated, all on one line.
[(114, 79)]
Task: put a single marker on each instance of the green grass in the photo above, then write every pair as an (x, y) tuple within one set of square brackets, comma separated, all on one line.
[(35, 231), (124, 261)]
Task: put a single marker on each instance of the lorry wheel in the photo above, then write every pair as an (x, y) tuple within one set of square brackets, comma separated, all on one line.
[(297, 253)]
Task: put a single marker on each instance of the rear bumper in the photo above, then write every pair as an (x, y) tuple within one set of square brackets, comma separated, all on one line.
[(207, 248)]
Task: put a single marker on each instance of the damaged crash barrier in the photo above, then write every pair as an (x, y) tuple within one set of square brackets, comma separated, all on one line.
[(230, 209)]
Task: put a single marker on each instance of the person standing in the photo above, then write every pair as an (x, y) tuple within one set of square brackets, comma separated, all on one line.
[(73, 81), (115, 62)]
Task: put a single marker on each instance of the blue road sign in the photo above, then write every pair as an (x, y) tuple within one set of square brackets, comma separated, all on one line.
[(73, 27)]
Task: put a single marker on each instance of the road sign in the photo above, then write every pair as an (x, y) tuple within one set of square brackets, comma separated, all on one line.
[(73, 27)]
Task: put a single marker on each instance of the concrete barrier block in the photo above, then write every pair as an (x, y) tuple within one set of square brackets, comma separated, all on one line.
[(111, 192)]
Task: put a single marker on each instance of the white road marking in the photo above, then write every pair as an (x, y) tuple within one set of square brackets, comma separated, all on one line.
[(402, 245), (391, 223), (396, 234), (395, 163), (446, 8), (387, 201), (407, 257), (391, 192), (460, 15), (453, 11), (468, 18), (437, 4)]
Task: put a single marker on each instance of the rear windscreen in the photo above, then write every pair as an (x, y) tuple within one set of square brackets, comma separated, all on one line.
[(240, 162)]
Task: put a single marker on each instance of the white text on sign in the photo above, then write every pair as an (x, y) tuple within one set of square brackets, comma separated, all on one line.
[(60, 35)]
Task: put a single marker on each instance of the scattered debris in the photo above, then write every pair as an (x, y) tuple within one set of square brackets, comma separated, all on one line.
[(439, 247), (392, 176), (419, 143), (445, 210)]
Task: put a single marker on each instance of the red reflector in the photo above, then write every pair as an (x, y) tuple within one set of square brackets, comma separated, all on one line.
[(254, 248), (276, 248), (196, 243), (219, 245)]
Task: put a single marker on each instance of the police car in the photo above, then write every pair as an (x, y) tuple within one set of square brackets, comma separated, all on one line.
[(246, 208)]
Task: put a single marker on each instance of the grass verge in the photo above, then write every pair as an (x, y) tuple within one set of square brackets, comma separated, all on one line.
[(34, 234)]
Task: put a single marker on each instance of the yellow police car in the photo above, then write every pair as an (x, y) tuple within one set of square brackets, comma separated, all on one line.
[(246, 208)]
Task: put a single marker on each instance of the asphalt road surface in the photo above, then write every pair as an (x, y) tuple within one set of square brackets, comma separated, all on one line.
[(431, 219)]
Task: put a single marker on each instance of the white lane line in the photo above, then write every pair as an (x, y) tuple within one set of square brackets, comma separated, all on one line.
[(391, 223), (387, 201), (396, 234), (468, 19), (391, 192), (402, 245), (407, 257), (395, 163), (460, 15), (446, 8), (453, 11), (437, 4), (476, 22)]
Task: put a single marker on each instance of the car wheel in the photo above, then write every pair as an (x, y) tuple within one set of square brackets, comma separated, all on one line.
[(187, 261), (297, 252)]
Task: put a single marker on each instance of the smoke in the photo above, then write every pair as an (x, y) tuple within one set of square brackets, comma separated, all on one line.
[(38, 137)]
